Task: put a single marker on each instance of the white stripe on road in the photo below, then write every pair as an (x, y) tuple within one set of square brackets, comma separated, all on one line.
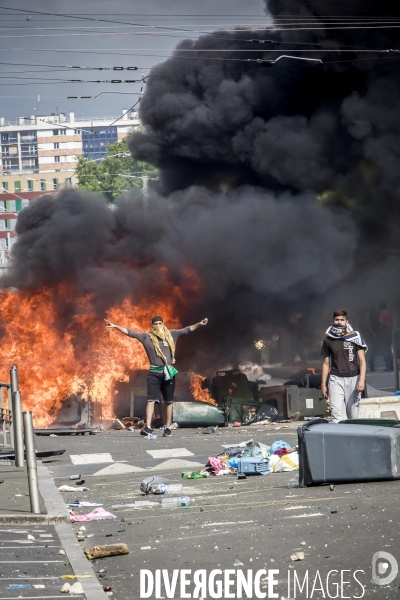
[(169, 453)]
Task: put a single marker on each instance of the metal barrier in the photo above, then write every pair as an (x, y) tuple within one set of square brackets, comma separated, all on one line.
[(6, 418), (11, 420)]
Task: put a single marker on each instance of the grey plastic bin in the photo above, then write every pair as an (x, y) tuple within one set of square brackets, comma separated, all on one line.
[(330, 452)]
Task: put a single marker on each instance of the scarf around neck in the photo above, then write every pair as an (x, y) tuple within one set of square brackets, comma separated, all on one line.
[(347, 334), (160, 332)]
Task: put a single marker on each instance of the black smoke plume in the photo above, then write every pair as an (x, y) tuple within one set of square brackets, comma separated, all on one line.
[(279, 182)]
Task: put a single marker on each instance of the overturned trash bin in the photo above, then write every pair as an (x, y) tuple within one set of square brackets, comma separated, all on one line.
[(343, 452)]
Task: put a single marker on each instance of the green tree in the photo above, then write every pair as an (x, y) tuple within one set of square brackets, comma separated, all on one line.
[(116, 173)]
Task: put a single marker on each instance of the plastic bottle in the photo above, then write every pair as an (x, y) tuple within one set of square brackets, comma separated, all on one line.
[(172, 502), (193, 475), (151, 436), (162, 488)]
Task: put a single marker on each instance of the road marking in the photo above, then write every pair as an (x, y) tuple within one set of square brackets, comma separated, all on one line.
[(176, 463), (305, 515), (169, 453), (90, 459), (118, 469), (227, 523)]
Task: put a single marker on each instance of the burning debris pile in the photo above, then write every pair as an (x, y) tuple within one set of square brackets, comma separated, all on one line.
[(279, 190)]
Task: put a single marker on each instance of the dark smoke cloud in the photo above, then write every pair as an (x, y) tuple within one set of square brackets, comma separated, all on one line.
[(331, 128), (254, 252), (279, 185)]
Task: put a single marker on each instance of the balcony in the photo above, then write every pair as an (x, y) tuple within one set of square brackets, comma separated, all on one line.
[(9, 140)]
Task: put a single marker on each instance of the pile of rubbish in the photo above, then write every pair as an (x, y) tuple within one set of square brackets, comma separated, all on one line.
[(254, 458)]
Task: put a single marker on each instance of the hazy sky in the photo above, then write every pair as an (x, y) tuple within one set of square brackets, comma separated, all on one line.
[(49, 43)]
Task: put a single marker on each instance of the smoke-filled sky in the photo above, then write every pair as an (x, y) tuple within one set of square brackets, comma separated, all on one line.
[(279, 182), (93, 34)]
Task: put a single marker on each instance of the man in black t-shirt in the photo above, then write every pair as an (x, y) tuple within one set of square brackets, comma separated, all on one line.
[(343, 351)]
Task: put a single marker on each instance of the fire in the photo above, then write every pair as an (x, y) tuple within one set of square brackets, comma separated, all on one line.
[(196, 387), (58, 356)]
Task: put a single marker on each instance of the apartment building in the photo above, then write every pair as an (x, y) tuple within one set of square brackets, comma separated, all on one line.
[(39, 154)]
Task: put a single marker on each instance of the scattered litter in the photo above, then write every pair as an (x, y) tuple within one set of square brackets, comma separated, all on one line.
[(66, 588), (237, 563), (331, 487), (82, 528), (151, 436), (303, 543), (173, 502), (161, 488), (17, 586), (61, 551), (195, 474), (145, 548), (138, 504), (297, 556), (104, 551), (279, 445), (98, 514), (211, 429), (152, 481), (68, 488), (75, 476), (76, 576), (80, 482), (30, 537), (76, 588), (39, 586), (333, 512)]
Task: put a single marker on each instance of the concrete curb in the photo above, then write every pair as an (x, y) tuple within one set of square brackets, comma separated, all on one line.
[(80, 564)]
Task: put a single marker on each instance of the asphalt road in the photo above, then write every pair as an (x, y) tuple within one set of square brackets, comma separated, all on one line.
[(253, 524)]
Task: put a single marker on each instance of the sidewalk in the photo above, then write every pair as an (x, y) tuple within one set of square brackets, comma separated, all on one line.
[(39, 550), (14, 494)]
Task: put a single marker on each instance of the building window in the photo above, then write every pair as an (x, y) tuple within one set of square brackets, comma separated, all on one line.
[(17, 186), (55, 131), (4, 186), (42, 185), (55, 184), (68, 182), (62, 132), (30, 185), (56, 145), (77, 131), (56, 159)]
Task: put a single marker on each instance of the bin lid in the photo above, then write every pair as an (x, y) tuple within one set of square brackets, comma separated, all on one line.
[(378, 422)]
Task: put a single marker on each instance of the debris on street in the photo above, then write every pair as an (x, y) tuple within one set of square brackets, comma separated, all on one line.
[(105, 551)]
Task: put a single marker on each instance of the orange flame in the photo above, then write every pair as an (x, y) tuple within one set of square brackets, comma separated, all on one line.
[(196, 387), (80, 357)]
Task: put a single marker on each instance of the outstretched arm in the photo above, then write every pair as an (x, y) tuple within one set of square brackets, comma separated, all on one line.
[(112, 326), (194, 327)]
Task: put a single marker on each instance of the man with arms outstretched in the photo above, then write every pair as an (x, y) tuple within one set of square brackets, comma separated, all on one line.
[(159, 345)]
